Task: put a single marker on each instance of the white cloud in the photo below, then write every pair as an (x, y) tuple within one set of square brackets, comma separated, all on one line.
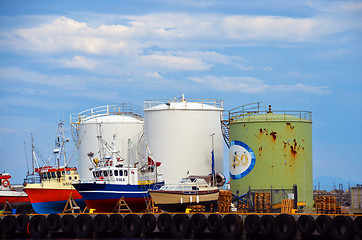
[(170, 30), (155, 75), (79, 62), (254, 85)]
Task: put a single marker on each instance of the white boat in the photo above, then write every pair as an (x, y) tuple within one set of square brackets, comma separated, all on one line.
[(13, 195), (189, 191)]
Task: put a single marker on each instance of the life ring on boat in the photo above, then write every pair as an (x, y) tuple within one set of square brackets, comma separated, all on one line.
[(101, 178), (6, 183)]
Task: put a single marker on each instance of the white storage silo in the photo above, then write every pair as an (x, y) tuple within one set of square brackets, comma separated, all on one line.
[(123, 120), (181, 135)]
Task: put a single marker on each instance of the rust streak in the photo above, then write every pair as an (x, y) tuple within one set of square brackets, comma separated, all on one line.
[(274, 135)]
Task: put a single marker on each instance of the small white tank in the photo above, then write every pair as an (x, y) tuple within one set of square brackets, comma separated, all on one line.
[(181, 135), (124, 120)]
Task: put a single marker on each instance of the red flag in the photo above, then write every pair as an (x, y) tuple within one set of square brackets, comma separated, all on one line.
[(151, 162)]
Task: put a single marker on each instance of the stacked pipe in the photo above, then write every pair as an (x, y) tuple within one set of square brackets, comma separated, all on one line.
[(262, 202), (224, 201), (326, 204)]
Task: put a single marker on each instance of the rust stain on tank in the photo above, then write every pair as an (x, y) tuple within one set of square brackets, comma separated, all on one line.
[(290, 125), (274, 135), (293, 148)]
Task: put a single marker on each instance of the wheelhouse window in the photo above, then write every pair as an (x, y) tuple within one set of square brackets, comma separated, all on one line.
[(121, 173), (49, 176), (116, 173), (125, 173), (53, 174), (105, 173)]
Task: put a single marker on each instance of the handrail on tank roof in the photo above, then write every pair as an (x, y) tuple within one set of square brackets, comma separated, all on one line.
[(148, 104), (125, 109), (244, 112)]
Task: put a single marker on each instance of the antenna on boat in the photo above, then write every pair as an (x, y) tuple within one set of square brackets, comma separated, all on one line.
[(26, 158)]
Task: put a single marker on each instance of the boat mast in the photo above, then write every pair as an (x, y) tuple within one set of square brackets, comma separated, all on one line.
[(212, 160), (129, 161)]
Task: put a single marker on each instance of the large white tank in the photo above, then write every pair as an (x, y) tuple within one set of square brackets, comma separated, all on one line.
[(124, 120), (181, 135)]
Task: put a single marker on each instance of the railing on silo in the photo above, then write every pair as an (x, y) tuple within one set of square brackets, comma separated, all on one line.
[(245, 112)]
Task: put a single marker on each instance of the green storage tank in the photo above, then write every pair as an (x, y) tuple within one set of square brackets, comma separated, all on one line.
[(271, 149)]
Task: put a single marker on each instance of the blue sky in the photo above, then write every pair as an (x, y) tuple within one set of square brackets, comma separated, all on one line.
[(63, 57)]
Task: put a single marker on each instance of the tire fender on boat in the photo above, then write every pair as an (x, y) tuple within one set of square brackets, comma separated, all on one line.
[(38, 227), (341, 228), (67, 223), (284, 227), (83, 226), (164, 222), (357, 226), (266, 224), (180, 226), (53, 222), (9, 224), (213, 223), (198, 223), (115, 223), (306, 224), (100, 223), (22, 222), (131, 226), (251, 224), (148, 223), (232, 226), (323, 224)]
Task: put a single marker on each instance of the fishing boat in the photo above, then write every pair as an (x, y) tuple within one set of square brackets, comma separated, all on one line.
[(189, 191), (51, 194), (13, 195), (114, 179)]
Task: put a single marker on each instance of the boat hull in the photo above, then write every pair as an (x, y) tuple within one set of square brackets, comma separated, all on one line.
[(48, 201), (177, 201), (104, 197), (20, 203)]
